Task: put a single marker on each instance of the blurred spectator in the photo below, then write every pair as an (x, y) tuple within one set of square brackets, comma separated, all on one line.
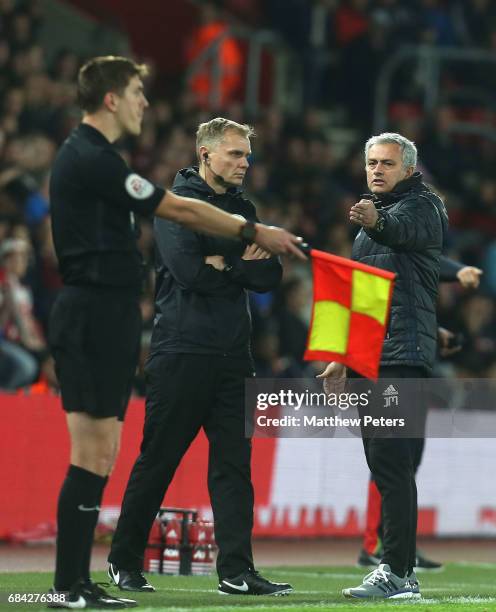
[(436, 26), (292, 19), (399, 19), (307, 169), (214, 27), (269, 363), (338, 240), (474, 21), (20, 31), (24, 177), (364, 54), (478, 326), (306, 27), (442, 153), (293, 318), (65, 67), (20, 335), (351, 21)]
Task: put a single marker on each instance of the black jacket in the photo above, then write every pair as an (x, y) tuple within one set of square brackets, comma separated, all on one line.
[(410, 245), (197, 308), (449, 269)]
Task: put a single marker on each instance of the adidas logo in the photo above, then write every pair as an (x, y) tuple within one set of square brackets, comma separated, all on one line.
[(390, 391)]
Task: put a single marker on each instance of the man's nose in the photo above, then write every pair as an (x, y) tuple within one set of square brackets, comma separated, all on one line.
[(245, 163)]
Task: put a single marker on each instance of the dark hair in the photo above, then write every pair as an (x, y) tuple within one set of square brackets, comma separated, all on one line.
[(103, 74)]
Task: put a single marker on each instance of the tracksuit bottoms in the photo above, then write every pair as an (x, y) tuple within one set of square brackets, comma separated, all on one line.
[(187, 392)]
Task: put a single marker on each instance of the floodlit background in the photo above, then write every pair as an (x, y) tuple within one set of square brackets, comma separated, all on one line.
[(316, 79)]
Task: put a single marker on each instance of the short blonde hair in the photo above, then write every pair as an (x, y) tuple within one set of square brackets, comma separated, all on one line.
[(212, 132)]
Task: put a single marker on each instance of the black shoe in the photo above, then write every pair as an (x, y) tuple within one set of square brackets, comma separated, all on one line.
[(87, 594), (423, 564), (252, 583), (98, 590), (129, 580), (367, 560)]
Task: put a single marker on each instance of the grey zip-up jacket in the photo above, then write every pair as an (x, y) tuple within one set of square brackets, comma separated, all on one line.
[(410, 244)]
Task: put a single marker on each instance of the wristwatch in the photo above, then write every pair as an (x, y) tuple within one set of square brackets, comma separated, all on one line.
[(248, 232), (379, 224)]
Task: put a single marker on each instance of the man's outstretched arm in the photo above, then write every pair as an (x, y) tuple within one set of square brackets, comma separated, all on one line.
[(203, 217)]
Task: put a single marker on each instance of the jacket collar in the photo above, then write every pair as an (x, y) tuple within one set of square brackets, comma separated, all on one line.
[(91, 132), (410, 184), (190, 177)]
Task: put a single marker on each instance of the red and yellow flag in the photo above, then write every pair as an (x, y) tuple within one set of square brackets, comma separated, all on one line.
[(351, 303)]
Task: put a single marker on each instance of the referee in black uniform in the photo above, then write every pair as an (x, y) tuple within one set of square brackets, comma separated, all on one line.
[(95, 322)]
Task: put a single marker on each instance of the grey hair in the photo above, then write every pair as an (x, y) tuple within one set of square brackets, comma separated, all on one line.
[(212, 132), (408, 148)]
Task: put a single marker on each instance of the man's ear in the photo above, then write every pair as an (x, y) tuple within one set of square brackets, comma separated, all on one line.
[(202, 152), (409, 171), (110, 101)]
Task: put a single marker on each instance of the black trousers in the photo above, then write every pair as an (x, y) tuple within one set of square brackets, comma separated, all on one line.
[(393, 462), (186, 392), (418, 445)]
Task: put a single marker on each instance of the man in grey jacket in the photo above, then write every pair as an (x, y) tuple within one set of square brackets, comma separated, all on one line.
[(402, 225)]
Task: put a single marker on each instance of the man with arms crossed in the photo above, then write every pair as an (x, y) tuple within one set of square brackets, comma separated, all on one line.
[(200, 357), (402, 228), (95, 325)]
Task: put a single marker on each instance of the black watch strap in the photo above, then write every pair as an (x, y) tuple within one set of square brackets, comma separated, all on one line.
[(248, 232)]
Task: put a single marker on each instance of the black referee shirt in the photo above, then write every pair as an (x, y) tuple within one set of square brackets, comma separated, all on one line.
[(93, 198)]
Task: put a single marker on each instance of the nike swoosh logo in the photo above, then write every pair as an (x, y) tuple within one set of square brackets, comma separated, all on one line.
[(115, 575), (239, 587), (76, 605), (90, 509)]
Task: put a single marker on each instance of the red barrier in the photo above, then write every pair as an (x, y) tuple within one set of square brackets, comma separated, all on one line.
[(34, 454)]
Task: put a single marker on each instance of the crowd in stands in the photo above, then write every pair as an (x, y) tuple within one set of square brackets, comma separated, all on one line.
[(297, 179)]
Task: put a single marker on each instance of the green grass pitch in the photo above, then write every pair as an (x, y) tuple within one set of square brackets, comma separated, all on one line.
[(460, 587)]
